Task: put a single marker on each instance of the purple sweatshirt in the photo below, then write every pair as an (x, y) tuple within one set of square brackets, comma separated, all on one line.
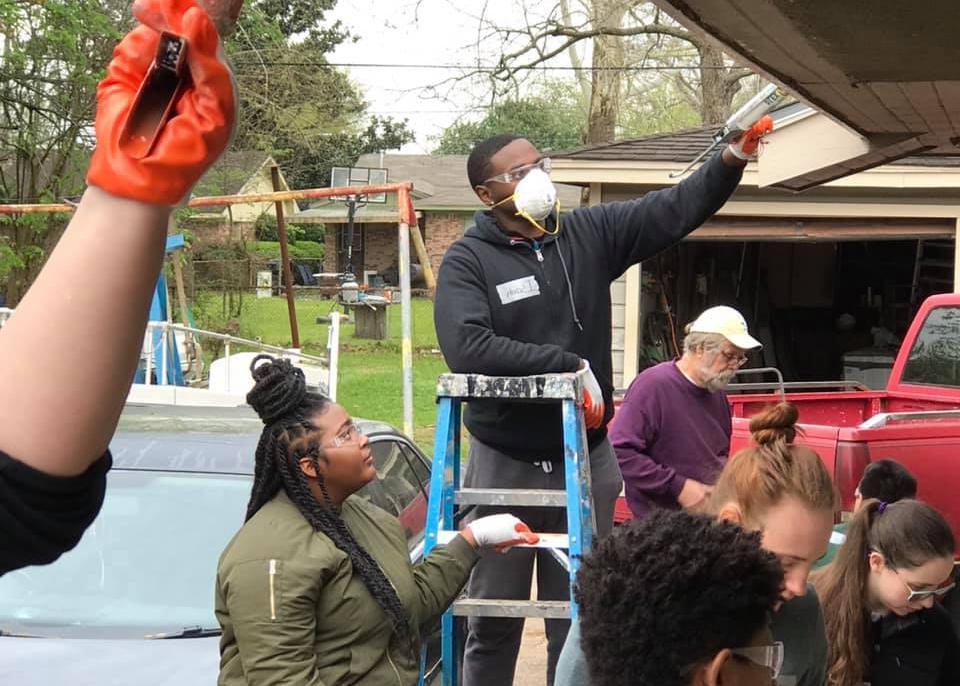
[(668, 430)]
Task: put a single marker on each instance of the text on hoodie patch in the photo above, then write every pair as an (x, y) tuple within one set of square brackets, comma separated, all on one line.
[(518, 289)]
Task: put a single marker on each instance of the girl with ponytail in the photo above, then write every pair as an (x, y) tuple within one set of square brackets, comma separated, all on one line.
[(317, 586), (880, 599), (783, 491)]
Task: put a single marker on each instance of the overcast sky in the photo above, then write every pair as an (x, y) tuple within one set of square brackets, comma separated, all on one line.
[(428, 32)]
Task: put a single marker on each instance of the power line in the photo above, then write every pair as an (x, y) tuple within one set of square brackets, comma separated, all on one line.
[(468, 67)]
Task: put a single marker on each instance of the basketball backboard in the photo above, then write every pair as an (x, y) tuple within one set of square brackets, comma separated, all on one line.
[(341, 177)]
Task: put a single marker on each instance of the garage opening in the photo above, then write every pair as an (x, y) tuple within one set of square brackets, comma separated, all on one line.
[(824, 309)]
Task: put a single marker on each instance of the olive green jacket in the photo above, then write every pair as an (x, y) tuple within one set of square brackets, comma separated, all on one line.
[(293, 612)]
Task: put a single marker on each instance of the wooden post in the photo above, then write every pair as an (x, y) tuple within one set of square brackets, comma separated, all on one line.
[(191, 345), (423, 256), (285, 259)]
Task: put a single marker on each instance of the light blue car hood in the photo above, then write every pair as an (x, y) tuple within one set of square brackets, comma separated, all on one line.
[(95, 662)]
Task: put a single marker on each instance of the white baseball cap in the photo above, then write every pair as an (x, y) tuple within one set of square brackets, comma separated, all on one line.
[(727, 322)]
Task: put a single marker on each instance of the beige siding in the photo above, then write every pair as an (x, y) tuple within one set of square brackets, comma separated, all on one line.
[(618, 299), (250, 212)]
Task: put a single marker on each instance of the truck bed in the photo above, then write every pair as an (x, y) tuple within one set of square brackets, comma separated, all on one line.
[(840, 408)]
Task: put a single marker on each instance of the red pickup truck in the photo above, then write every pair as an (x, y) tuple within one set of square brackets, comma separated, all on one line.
[(915, 421)]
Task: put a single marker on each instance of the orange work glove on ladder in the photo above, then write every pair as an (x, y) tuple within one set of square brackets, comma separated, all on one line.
[(200, 126)]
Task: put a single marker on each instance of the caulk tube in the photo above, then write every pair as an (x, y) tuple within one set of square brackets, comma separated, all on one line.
[(751, 111)]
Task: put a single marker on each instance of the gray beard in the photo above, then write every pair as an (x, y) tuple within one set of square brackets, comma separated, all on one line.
[(718, 382)]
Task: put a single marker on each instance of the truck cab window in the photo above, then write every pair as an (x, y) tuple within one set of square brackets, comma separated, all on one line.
[(935, 356)]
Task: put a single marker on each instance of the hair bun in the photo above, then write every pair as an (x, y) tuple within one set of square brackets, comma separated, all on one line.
[(775, 423), (279, 388)]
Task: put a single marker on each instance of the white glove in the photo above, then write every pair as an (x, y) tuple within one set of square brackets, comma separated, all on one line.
[(501, 531), (592, 397)]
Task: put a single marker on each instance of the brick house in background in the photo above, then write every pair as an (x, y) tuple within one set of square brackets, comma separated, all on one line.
[(236, 173), (445, 205)]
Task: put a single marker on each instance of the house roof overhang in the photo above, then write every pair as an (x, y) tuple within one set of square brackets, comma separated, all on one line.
[(886, 79)]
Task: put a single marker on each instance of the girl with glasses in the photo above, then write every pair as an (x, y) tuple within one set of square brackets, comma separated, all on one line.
[(317, 586), (880, 595)]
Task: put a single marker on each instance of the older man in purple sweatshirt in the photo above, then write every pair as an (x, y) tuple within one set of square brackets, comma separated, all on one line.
[(671, 436)]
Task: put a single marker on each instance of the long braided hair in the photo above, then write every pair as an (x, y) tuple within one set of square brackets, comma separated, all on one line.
[(281, 399)]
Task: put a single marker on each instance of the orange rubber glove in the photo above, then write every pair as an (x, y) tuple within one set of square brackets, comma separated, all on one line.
[(200, 126), (745, 147)]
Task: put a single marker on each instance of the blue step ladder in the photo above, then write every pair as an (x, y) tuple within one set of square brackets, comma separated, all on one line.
[(445, 492)]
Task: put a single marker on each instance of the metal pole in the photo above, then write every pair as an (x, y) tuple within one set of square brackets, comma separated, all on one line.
[(163, 353), (351, 218), (405, 315), (226, 360), (285, 259), (149, 370), (333, 354)]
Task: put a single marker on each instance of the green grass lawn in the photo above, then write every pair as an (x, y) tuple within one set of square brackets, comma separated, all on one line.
[(370, 373)]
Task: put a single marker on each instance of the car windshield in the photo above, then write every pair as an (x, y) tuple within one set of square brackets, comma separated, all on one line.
[(147, 564)]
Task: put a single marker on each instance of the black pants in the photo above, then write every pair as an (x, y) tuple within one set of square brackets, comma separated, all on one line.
[(493, 643)]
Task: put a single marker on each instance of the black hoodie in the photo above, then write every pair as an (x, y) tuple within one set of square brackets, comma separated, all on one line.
[(507, 306), (920, 649)]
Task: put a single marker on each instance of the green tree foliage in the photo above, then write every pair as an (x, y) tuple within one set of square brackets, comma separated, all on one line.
[(552, 118), (310, 116), (52, 55), (54, 52)]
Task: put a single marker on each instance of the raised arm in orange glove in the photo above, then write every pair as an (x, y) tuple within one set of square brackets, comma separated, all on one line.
[(68, 354)]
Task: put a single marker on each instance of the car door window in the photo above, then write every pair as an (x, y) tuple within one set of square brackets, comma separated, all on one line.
[(396, 484), (420, 468), (400, 486)]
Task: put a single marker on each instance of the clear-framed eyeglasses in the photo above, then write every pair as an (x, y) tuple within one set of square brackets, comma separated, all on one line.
[(920, 596), (734, 358), (770, 656), (349, 434), (543, 164)]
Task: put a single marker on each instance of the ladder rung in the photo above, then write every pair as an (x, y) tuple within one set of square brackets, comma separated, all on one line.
[(561, 541), (941, 264), (511, 496), (548, 609)]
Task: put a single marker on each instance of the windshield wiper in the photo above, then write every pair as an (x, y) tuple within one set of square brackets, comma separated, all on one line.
[(18, 634), (187, 632)]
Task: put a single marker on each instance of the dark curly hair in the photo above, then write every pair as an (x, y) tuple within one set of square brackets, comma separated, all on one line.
[(661, 595), (281, 398), (478, 164), (887, 480)]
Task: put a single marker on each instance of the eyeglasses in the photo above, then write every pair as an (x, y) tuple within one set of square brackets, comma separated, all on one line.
[(738, 359), (543, 164), (349, 434), (919, 596), (770, 656)]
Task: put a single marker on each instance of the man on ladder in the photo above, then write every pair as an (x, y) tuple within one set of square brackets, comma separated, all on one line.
[(527, 291)]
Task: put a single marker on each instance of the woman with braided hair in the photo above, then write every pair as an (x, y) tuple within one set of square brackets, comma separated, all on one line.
[(317, 588)]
